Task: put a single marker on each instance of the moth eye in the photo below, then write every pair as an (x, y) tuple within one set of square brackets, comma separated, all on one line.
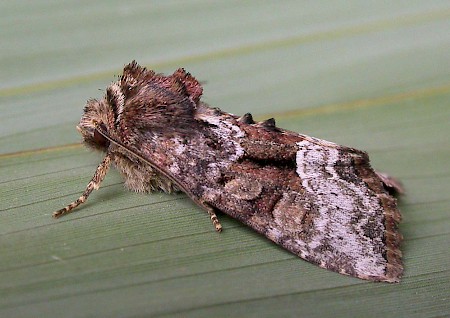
[(99, 139)]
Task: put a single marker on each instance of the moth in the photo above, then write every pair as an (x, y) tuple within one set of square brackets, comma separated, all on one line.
[(319, 200)]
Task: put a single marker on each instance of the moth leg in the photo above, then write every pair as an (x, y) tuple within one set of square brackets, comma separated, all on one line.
[(94, 184), (215, 221)]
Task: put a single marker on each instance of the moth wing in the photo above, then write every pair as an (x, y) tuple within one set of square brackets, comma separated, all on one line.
[(330, 209)]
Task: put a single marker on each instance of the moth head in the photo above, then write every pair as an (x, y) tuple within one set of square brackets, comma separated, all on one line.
[(98, 115)]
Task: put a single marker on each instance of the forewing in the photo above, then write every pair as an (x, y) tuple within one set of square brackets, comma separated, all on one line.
[(317, 199)]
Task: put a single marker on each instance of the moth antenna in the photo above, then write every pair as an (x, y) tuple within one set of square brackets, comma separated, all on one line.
[(94, 184), (247, 119)]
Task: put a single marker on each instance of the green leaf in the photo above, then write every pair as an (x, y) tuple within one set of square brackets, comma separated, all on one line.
[(374, 76)]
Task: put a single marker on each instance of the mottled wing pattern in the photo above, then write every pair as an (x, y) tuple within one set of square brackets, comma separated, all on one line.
[(326, 205), (317, 199)]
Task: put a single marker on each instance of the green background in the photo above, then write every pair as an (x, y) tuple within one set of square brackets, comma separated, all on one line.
[(369, 74)]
